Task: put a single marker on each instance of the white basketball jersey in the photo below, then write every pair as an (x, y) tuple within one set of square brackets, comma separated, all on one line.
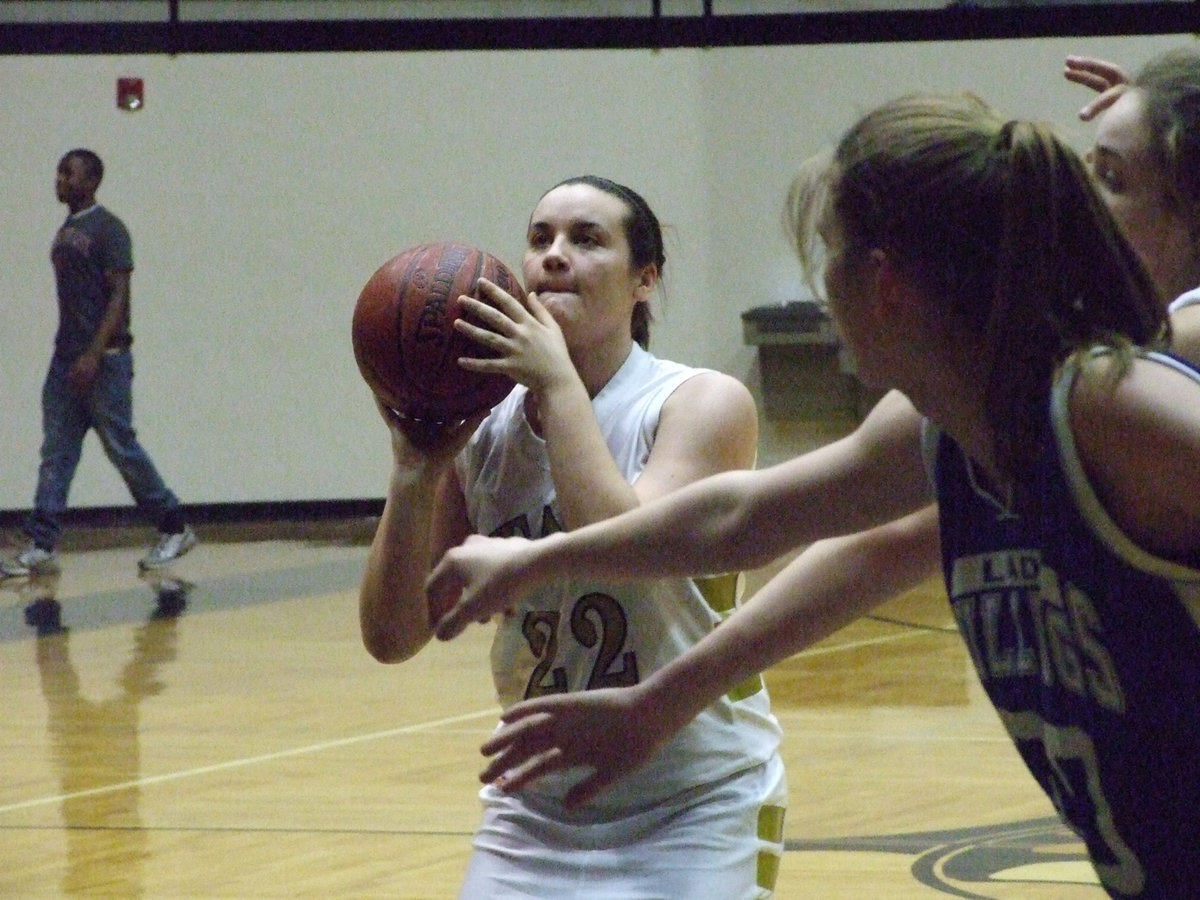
[(577, 634)]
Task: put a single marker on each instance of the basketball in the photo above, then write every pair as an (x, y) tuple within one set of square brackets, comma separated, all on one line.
[(405, 343)]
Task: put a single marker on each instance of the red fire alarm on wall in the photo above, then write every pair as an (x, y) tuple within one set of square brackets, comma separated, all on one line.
[(130, 94)]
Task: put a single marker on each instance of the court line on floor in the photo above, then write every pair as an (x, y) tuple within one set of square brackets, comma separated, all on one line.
[(343, 742), (247, 761), (867, 642)]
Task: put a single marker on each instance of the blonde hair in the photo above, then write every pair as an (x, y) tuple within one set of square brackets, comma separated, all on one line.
[(999, 221)]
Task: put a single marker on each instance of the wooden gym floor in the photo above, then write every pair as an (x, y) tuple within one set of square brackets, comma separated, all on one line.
[(220, 733)]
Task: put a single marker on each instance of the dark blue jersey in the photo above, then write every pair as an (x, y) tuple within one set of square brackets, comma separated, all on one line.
[(1089, 647)]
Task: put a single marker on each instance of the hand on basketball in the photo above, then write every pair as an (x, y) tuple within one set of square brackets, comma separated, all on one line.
[(605, 730), (416, 443), (523, 340), (475, 581), (1108, 79)]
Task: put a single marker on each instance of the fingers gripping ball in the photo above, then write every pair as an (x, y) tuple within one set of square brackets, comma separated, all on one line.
[(405, 342)]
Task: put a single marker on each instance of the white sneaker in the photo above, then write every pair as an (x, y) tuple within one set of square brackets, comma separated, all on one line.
[(168, 549), (33, 560)]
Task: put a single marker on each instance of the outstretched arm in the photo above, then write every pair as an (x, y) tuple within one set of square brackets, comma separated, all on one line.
[(614, 731), (728, 522)]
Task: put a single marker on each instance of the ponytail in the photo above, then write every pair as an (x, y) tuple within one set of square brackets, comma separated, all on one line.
[(999, 222)]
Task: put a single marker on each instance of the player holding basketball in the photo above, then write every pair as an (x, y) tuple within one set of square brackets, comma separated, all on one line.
[(972, 266), (596, 426)]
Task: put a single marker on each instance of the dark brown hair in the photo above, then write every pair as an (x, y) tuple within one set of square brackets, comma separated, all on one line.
[(1170, 87), (644, 236)]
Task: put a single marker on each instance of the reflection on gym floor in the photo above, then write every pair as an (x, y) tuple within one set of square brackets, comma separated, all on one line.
[(217, 731)]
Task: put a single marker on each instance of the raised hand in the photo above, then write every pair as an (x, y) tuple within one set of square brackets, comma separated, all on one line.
[(524, 341), (1107, 79)]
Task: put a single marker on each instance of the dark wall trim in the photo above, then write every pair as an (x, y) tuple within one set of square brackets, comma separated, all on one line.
[(214, 513), (954, 23)]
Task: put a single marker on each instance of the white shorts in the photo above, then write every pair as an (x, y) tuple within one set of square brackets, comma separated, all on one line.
[(718, 842)]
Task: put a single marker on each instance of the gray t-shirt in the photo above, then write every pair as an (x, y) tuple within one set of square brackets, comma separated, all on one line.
[(86, 246)]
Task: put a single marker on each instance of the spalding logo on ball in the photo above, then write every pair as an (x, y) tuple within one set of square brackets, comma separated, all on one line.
[(405, 342)]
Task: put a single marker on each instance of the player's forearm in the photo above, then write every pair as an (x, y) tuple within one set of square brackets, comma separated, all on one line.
[(114, 313), (829, 585), (741, 519), (732, 521), (393, 613), (693, 531), (588, 485)]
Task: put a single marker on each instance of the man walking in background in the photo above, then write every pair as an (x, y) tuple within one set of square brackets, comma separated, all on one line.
[(90, 380)]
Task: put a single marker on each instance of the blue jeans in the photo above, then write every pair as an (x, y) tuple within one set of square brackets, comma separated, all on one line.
[(66, 419)]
